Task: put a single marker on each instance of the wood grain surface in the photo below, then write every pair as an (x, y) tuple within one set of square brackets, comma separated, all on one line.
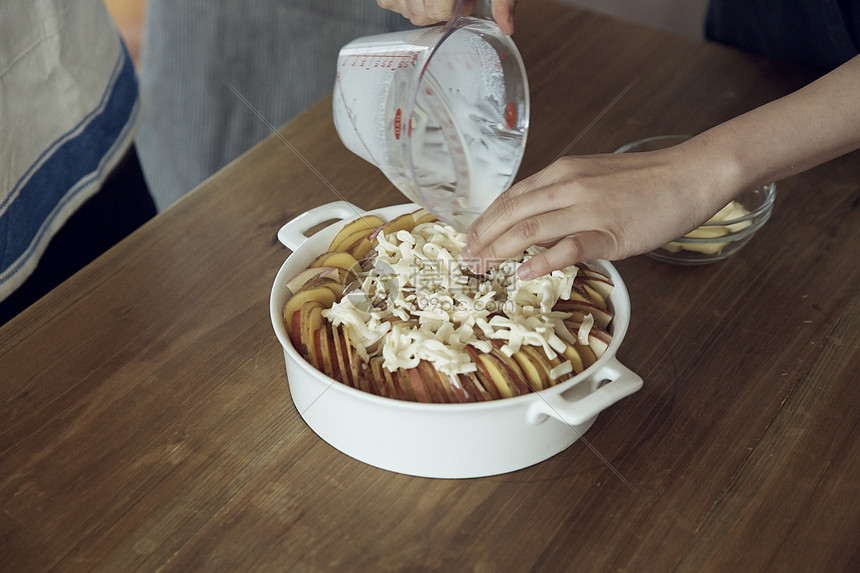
[(146, 422)]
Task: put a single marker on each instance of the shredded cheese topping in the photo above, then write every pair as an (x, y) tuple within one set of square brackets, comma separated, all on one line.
[(419, 301)]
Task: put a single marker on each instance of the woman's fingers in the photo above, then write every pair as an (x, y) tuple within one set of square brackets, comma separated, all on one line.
[(534, 211), (601, 206), (517, 235), (503, 14), (565, 252), (420, 12), (571, 235), (426, 12)]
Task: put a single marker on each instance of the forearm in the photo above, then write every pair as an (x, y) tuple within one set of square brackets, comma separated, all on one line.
[(792, 134)]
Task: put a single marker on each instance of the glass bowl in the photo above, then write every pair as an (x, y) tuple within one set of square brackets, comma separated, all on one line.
[(726, 233)]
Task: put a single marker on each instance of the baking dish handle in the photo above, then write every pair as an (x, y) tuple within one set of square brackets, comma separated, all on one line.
[(292, 234), (621, 383)]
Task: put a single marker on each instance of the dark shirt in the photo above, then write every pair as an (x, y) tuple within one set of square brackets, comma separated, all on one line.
[(818, 33)]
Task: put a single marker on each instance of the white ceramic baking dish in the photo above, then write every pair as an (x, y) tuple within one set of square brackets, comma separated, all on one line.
[(442, 440)]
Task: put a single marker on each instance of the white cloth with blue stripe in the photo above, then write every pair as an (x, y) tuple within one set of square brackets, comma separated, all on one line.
[(68, 113)]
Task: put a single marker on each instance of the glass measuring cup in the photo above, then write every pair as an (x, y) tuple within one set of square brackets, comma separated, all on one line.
[(442, 111)]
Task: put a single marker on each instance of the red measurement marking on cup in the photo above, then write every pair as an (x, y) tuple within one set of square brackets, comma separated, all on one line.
[(383, 60), (398, 126), (510, 115)]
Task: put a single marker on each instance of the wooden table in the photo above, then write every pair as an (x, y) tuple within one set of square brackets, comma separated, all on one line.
[(147, 422)]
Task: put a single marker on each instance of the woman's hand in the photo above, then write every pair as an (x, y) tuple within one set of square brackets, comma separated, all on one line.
[(600, 206), (424, 12)]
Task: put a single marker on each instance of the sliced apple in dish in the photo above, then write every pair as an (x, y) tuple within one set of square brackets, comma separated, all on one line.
[(298, 320), (586, 353), (534, 373), (405, 222), (578, 309), (598, 341), (596, 280), (295, 329), (377, 379), (323, 351), (365, 224), (473, 386), (487, 383), (423, 216), (339, 259), (572, 355), (309, 275), (334, 285), (398, 380), (322, 295), (385, 379), (583, 291), (341, 356), (598, 338), (366, 380), (417, 385), (361, 248), (431, 383), (515, 373), (311, 320), (354, 362), (539, 362), (453, 386), (494, 375)]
